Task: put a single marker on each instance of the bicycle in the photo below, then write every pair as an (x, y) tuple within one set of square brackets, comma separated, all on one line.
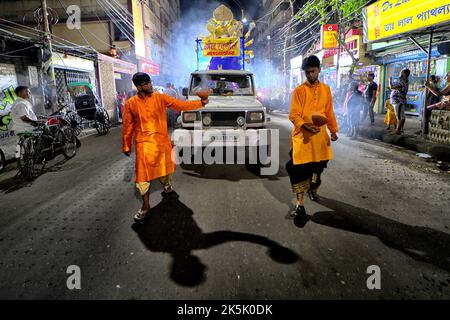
[(36, 148)]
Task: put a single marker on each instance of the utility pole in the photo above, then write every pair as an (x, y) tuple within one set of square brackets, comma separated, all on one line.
[(285, 42), (288, 36), (339, 45), (50, 87), (424, 106)]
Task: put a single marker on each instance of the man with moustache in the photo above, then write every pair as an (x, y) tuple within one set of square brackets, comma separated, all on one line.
[(145, 118)]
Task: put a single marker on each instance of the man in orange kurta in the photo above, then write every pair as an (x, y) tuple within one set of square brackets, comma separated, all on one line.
[(145, 118), (311, 113)]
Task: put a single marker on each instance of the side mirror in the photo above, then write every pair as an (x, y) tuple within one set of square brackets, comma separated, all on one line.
[(185, 92)]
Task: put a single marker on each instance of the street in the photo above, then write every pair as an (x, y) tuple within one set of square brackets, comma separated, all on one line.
[(225, 233)]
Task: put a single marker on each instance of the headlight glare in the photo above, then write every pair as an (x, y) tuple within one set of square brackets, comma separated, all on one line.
[(189, 116)]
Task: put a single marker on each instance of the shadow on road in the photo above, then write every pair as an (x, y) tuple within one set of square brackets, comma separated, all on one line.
[(18, 182), (420, 243), (13, 184), (230, 172), (171, 228)]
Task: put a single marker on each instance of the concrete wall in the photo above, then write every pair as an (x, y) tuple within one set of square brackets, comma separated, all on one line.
[(108, 88), (95, 34)]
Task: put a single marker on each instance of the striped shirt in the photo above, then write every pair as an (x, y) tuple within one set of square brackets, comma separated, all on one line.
[(398, 96)]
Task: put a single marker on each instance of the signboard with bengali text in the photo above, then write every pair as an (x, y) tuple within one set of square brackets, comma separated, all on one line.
[(225, 47), (149, 67), (388, 18), (329, 36)]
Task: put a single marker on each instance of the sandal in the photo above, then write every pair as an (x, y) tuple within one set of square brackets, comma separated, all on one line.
[(141, 215), (168, 188)]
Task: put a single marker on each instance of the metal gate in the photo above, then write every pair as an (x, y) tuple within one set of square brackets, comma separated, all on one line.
[(63, 77)]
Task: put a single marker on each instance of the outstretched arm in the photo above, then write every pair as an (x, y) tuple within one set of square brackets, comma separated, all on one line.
[(180, 105)]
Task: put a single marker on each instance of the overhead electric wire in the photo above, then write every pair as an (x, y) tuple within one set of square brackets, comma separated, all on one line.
[(18, 50), (127, 29), (109, 11), (39, 33), (280, 42), (79, 30), (123, 15)]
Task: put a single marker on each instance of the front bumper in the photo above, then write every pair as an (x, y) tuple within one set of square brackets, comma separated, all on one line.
[(221, 137)]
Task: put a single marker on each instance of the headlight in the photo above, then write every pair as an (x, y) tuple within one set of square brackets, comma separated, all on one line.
[(190, 116), (256, 116), (207, 119)]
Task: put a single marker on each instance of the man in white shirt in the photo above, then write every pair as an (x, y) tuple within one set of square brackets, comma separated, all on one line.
[(23, 117)]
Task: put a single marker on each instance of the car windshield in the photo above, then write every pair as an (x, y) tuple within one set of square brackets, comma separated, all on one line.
[(223, 84)]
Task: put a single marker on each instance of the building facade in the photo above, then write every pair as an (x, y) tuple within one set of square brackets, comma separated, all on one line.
[(133, 33)]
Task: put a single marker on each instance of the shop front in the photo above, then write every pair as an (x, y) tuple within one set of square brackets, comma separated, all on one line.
[(416, 62), (69, 68), (409, 34), (328, 73), (115, 80), (364, 66)]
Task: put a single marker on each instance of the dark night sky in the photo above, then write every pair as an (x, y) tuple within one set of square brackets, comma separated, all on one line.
[(249, 6)]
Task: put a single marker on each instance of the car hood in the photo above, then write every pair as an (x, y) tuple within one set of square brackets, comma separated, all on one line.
[(232, 102)]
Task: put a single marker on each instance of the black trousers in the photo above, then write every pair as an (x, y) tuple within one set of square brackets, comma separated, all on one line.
[(305, 176)]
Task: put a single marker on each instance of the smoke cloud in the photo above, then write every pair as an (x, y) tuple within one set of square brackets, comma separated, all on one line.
[(184, 33)]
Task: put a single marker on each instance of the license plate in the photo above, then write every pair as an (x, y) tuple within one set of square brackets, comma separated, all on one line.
[(224, 138)]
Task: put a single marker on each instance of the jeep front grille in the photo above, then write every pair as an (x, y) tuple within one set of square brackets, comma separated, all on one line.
[(224, 118)]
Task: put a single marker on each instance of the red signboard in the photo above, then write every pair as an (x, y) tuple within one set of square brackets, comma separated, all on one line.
[(329, 53), (329, 36), (149, 67)]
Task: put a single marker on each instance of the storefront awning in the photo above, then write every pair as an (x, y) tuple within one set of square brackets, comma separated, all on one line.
[(69, 62), (119, 66)]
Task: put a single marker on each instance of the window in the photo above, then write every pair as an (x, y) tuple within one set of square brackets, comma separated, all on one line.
[(224, 84), (118, 34)]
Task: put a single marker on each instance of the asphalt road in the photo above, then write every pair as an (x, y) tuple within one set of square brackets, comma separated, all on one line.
[(225, 233)]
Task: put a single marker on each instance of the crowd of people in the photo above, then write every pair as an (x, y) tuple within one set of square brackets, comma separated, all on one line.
[(356, 99)]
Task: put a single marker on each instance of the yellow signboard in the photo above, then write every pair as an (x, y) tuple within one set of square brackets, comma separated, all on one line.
[(139, 38), (387, 18), (225, 47), (329, 36)]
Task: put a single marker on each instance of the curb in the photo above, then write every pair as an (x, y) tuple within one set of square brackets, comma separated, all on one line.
[(87, 133), (440, 152)]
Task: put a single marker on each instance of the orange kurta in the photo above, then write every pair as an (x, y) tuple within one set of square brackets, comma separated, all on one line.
[(308, 100), (145, 118)]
